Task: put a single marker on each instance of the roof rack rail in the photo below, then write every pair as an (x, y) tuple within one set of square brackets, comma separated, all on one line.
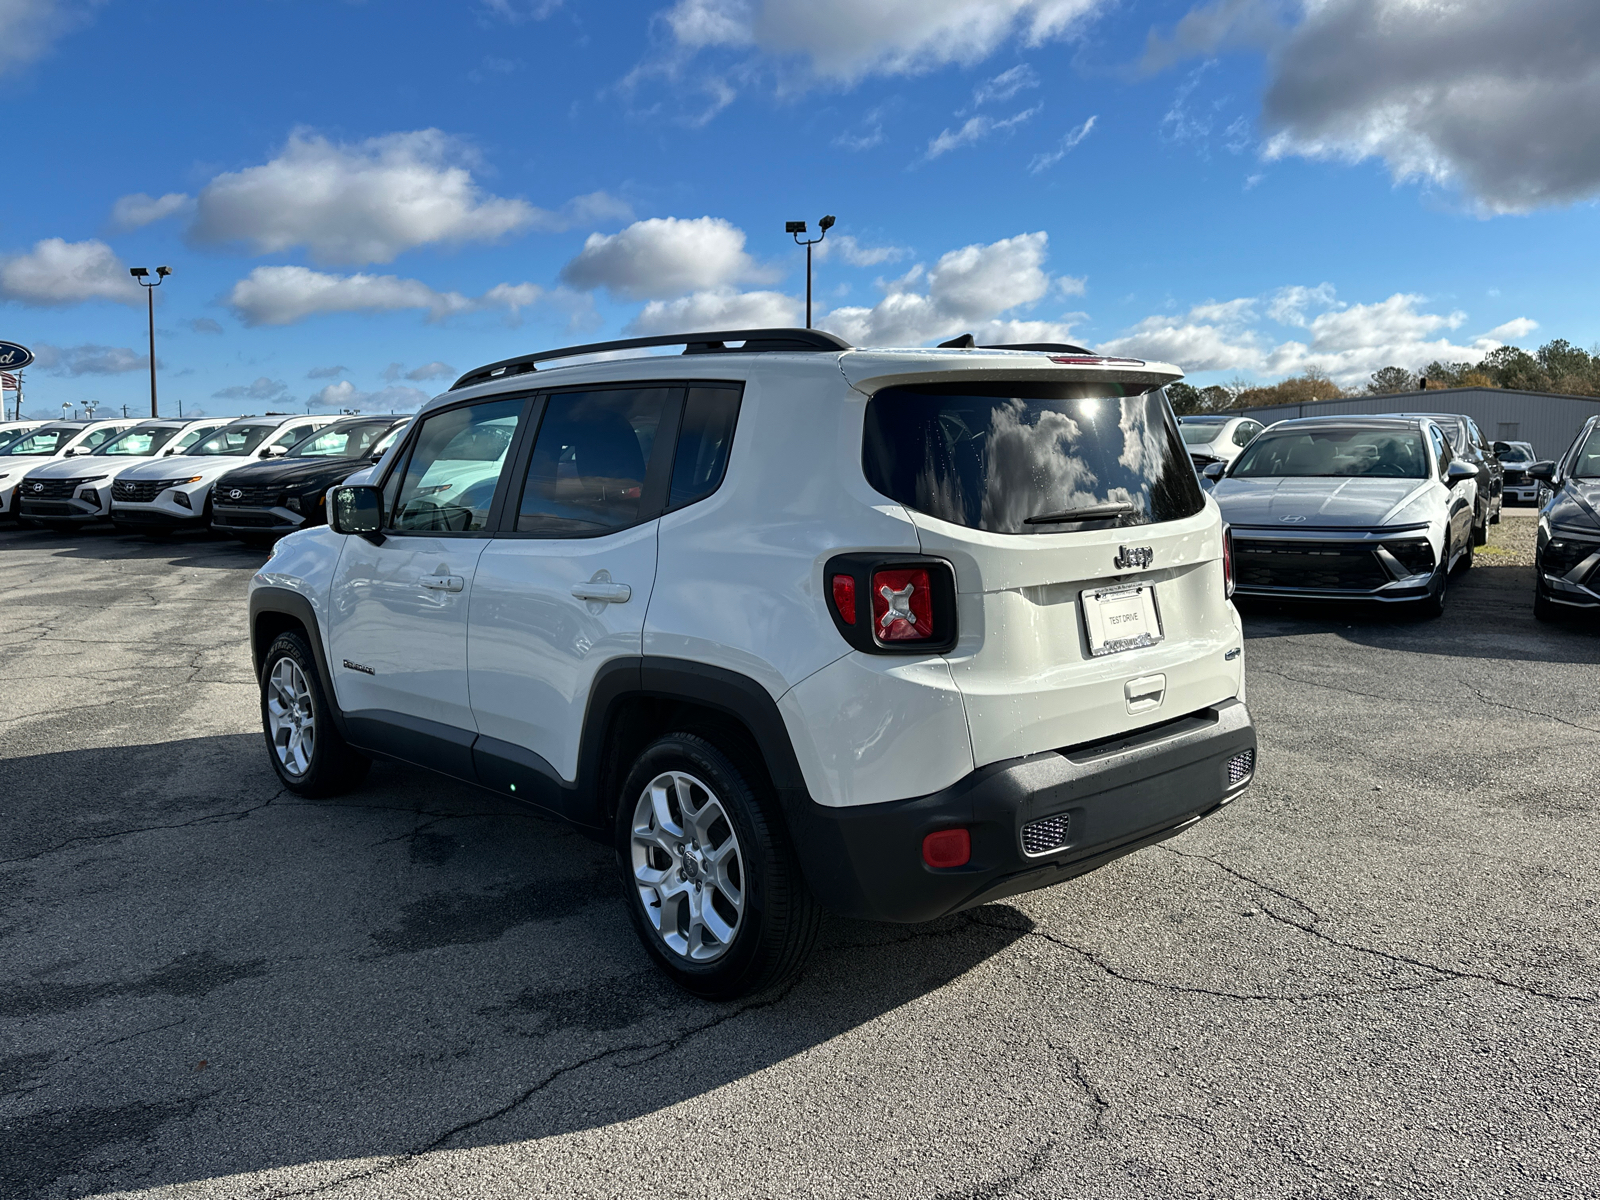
[(1047, 347), (756, 341)]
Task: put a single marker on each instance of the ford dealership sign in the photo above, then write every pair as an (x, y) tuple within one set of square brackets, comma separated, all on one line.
[(14, 357)]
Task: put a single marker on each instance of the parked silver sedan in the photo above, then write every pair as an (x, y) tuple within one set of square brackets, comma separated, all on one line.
[(1349, 508)]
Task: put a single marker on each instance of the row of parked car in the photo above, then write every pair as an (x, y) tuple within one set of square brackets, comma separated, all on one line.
[(256, 478), (1385, 508)]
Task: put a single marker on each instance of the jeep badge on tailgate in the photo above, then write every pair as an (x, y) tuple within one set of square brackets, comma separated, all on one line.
[(1133, 556)]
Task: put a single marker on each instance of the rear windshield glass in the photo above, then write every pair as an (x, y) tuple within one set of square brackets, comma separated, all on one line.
[(1029, 458), (1393, 454), (1199, 435)]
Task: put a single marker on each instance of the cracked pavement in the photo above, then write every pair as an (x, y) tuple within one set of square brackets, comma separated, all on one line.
[(1377, 974)]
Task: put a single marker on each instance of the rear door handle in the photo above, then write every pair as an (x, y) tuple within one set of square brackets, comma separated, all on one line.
[(443, 583), (612, 593)]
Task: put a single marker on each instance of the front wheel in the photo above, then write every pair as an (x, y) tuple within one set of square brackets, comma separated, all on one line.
[(307, 752), (713, 887)]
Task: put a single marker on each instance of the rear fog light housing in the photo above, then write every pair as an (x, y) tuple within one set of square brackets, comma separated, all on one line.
[(947, 848)]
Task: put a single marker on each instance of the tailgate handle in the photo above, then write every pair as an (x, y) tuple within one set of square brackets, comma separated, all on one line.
[(1145, 693)]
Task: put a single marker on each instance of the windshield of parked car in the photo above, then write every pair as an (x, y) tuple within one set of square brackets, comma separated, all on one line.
[(1199, 434), (8, 436), (193, 436), (342, 441), (1515, 453), (233, 440), (139, 443), (1029, 458), (1390, 453), (44, 441), (1586, 463)]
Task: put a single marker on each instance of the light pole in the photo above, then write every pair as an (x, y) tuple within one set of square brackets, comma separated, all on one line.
[(797, 228), (141, 274)]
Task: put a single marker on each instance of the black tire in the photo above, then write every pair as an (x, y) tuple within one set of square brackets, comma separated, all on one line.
[(1432, 605), (1480, 532), (1468, 556), (1544, 608), (334, 767), (778, 924)]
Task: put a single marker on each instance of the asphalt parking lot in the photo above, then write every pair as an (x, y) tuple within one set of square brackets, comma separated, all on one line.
[(1375, 975)]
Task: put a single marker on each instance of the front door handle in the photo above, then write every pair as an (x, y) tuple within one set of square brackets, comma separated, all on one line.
[(600, 587), (443, 583)]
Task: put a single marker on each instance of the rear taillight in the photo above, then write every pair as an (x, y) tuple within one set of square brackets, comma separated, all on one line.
[(886, 605), (1227, 560), (902, 606)]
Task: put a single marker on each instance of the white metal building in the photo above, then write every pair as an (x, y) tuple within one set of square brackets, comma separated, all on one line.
[(1547, 420)]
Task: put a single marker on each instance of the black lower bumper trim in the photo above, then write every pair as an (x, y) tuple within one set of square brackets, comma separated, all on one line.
[(867, 861), (153, 520)]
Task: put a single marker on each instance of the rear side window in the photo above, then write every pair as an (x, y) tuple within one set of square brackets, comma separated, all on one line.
[(1029, 458), (709, 415), (587, 473)]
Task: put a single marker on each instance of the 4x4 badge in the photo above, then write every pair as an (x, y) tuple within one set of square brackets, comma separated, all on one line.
[(1133, 556)]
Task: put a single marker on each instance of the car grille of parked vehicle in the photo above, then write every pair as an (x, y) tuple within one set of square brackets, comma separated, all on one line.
[(250, 497), (141, 491), (51, 489), (1513, 478), (1301, 566), (1041, 837)]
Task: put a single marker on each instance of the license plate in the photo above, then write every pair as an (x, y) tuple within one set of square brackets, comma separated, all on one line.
[(1121, 618)]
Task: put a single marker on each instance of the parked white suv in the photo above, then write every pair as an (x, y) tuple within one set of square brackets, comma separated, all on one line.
[(175, 493), (889, 632), (77, 491), (51, 440)]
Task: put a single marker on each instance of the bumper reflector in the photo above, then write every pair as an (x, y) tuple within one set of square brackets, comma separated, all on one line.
[(1241, 767), (1041, 837), (947, 848)]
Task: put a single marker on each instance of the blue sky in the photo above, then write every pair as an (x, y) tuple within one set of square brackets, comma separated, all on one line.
[(361, 200)]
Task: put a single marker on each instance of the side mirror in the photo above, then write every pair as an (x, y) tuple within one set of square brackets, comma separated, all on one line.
[(1543, 470), (274, 452), (357, 508), (1457, 471), (1214, 471)]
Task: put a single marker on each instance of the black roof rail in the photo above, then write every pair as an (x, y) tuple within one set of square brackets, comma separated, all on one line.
[(1047, 347), (756, 341)]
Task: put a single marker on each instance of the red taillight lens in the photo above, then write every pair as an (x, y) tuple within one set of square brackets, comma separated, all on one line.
[(902, 606), (947, 848), (1227, 560), (844, 598)]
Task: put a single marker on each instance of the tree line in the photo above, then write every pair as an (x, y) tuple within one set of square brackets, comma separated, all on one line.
[(1557, 366)]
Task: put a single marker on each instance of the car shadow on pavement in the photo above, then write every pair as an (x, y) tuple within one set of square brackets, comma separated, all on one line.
[(187, 549), (1488, 614), (208, 976)]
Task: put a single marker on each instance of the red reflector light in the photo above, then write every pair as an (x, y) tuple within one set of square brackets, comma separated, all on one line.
[(947, 848), (902, 606), (844, 598)]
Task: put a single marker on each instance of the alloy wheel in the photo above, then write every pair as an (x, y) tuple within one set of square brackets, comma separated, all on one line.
[(291, 717), (688, 866)]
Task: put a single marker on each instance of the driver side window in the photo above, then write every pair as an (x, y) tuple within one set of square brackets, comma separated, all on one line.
[(448, 483)]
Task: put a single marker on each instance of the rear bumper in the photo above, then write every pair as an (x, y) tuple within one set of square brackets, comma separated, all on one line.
[(1117, 797)]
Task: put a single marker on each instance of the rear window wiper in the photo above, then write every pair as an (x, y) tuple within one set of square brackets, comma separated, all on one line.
[(1091, 512)]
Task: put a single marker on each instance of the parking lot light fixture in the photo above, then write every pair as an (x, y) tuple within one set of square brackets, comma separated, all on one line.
[(795, 229), (142, 274)]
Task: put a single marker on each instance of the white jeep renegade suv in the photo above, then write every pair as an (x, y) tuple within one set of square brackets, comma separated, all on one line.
[(889, 632)]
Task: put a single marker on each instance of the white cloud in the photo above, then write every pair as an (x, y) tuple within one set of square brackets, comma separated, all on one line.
[(844, 40), (1005, 85), (57, 272), (526, 10), (89, 359), (373, 200), (664, 257), (1043, 162), (433, 370), (1480, 94), (857, 255), (262, 389), (203, 325), (29, 28), (975, 129), (967, 290), (284, 295), (139, 210), (718, 309), (395, 398), (326, 372), (1347, 341)]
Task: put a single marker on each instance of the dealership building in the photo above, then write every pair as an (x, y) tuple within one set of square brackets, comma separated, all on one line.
[(1548, 421)]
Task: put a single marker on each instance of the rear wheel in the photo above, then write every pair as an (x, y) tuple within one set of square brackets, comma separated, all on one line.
[(713, 887), (307, 752)]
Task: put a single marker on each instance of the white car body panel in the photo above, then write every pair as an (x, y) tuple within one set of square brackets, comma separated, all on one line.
[(97, 471), (14, 468)]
